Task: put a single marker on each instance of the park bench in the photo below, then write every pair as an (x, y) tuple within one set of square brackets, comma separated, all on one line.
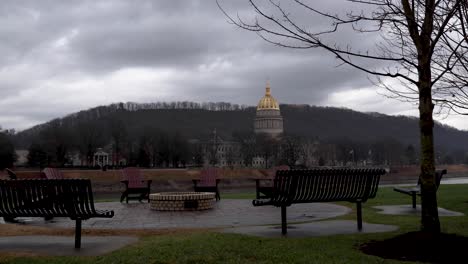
[(354, 185), (416, 191), (71, 198), (52, 173), (134, 184), (208, 181), (264, 185)]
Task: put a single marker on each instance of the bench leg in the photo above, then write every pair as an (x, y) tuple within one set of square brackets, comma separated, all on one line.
[(413, 195), (78, 233), (257, 186), (10, 219), (284, 225), (142, 196), (124, 194), (359, 215)]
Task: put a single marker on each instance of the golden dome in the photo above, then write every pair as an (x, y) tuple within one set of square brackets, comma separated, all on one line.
[(268, 102)]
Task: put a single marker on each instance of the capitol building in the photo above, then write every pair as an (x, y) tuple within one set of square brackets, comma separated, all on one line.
[(268, 119), (267, 122)]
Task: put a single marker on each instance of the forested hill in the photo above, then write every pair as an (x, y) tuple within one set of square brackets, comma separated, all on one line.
[(193, 120)]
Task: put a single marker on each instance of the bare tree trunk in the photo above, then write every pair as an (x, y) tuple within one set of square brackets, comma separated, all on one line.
[(430, 36), (429, 214)]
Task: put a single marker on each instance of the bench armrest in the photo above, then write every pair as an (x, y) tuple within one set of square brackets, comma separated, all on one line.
[(147, 181), (11, 174), (409, 191)]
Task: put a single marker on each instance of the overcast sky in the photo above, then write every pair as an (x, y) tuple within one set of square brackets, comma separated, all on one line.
[(58, 57)]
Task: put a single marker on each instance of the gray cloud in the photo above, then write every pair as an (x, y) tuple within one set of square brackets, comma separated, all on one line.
[(58, 57)]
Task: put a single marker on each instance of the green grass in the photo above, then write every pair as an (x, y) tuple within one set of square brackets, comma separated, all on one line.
[(241, 195), (212, 247)]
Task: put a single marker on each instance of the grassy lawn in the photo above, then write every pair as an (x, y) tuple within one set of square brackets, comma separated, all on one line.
[(212, 247), (242, 195)]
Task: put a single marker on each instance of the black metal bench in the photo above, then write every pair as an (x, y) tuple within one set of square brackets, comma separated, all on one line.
[(50, 198), (416, 191), (322, 185), (264, 185)]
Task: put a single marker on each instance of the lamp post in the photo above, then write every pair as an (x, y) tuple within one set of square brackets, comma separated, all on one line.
[(352, 153)]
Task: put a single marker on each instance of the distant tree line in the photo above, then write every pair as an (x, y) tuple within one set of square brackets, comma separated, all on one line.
[(157, 148), (302, 152), (7, 149), (150, 148), (158, 135), (210, 106)]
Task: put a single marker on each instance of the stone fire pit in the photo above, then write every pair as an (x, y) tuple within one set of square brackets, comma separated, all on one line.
[(182, 201)]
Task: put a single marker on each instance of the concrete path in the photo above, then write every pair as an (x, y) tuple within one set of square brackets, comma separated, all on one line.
[(321, 228), (227, 213), (235, 216), (64, 245), (407, 209)]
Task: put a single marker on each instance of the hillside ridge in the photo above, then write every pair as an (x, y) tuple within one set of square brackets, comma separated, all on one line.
[(198, 120)]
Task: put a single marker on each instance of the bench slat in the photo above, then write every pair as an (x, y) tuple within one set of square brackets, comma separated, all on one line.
[(325, 185), (322, 185), (48, 198)]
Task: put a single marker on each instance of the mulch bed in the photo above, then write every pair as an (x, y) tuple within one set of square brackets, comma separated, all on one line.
[(419, 246)]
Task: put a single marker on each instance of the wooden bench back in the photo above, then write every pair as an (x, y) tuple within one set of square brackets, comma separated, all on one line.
[(208, 177), (325, 185), (52, 173), (133, 176), (43, 197)]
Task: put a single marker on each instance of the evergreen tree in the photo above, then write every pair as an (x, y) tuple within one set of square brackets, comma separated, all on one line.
[(37, 157), (7, 152)]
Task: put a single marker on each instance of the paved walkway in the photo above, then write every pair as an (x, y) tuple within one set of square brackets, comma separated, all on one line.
[(227, 213), (233, 216), (407, 209), (64, 245), (312, 229)]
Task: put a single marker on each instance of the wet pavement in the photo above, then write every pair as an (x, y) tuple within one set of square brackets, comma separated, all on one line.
[(64, 245), (231, 215), (407, 209), (226, 213), (313, 229)]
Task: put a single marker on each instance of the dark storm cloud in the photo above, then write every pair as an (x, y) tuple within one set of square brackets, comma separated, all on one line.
[(57, 57)]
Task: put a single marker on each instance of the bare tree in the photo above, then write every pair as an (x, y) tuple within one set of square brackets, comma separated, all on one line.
[(120, 140), (457, 43), (422, 46), (247, 146), (292, 150), (89, 138), (7, 151)]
